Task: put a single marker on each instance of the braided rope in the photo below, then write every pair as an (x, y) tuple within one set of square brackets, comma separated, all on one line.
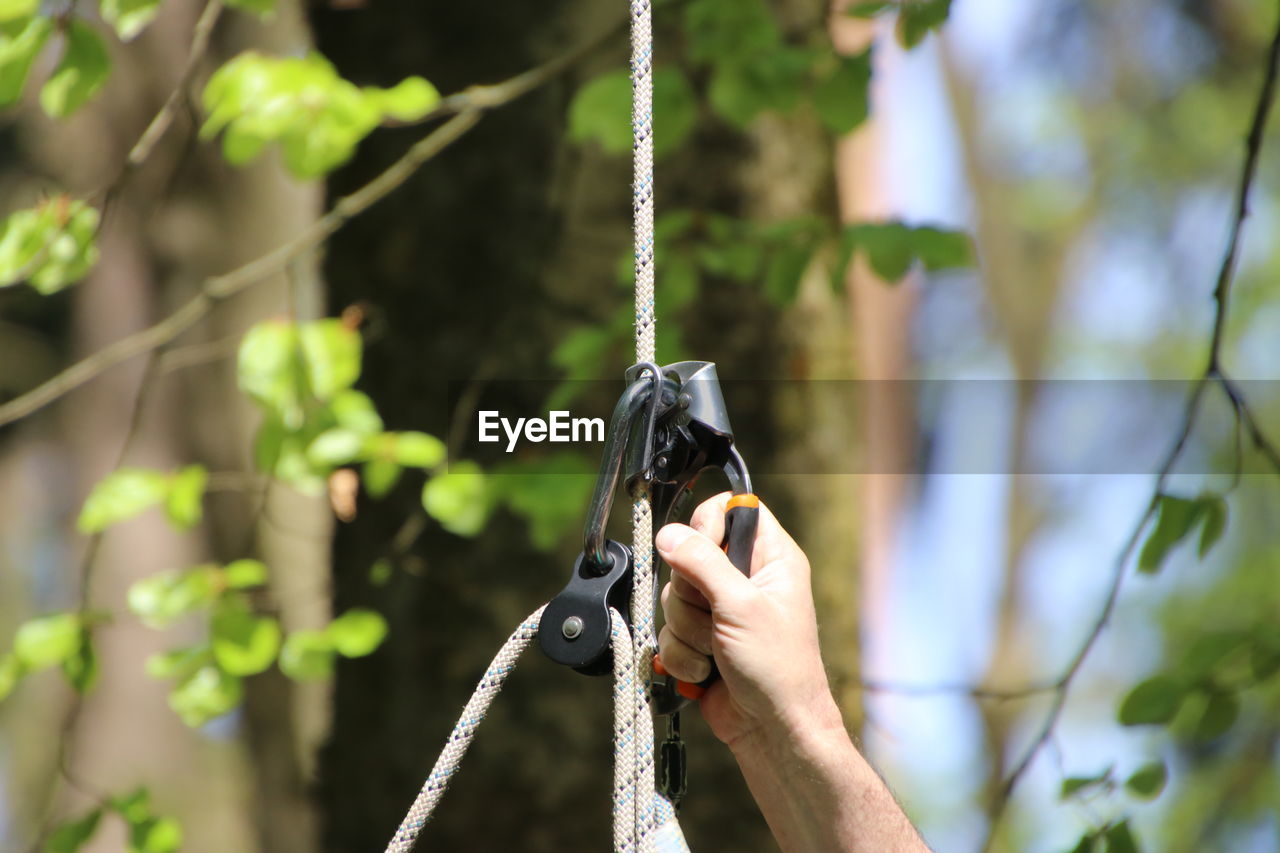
[(650, 809), (642, 178), (640, 814), (463, 732)]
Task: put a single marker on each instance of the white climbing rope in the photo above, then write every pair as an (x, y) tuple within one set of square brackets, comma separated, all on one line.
[(463, 733), (643, 820), (628, 785)]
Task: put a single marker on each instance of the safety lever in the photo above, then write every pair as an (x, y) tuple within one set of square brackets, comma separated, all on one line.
[(669, 425)]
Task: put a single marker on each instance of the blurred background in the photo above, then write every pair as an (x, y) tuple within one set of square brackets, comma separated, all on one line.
[(993, 199)]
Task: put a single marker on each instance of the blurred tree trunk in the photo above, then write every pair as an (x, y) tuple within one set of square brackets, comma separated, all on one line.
[(180, 217), (1023, 274)]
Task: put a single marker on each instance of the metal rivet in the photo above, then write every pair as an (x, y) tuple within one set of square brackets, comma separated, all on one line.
[(571, 628)]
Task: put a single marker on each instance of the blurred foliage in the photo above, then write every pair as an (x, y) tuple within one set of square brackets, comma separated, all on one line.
[(51, 245), (317, 117), (147, 832)]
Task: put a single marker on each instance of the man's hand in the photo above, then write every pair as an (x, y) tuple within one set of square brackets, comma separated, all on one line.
[(762, 630), (773, 706)]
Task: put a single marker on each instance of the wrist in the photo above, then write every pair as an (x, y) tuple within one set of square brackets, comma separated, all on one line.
[(801, 728)]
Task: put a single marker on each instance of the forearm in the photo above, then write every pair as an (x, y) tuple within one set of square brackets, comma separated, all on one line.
[(818, 793)]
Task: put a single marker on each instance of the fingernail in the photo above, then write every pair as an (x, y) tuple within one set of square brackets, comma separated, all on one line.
[(670, 537), (700, 669)]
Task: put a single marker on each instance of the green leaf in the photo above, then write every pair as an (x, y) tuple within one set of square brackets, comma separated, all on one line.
[(458, 499), (331, 353), (133, 807), (1119, 839), (155, 835), (81, 73), (1148, 781), (17, 10), (409, 100), (184, 503), (51, 245), (301, 103), (207, 693), (1208, 651), (785, 271), (267, 369), (286, 367), (81, 666), (243, 643), (357, 633), (128, 17), (1215, 522), (354, 410), (551, 502), (379, 573), (939, 249), (742, 89), (47, 641), (1086, 844), (1174, 520), (121, 495), (840, 99), (335, 447), (245, 573), (307, 655), (1264, 658), (1074, 784), (868, 8), (70, 249), (164, 597), (1219, 715), (418, 450), (380, 477), (1154, 701), (11, 672), (729, 30), (178, 663), (262, 8), (918, 17), (888, 247), (601, 112), (73, 834), (20, 43)]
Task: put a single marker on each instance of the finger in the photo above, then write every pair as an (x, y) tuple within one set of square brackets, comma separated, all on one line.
[(702, 562), (708, 518), (772, 544), (688, 592), (690, 624), (680, 659)]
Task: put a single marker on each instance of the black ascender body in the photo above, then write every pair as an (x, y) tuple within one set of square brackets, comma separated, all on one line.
[(668, 427)]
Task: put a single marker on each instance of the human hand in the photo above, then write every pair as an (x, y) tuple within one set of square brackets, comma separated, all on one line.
[(762, 630)]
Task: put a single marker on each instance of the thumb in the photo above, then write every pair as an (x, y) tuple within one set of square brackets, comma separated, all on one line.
[(700, 561)]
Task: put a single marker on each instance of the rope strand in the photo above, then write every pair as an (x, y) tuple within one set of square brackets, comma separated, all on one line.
[(464, 732)]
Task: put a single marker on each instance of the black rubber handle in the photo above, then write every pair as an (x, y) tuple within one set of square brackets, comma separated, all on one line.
[(741, 522)]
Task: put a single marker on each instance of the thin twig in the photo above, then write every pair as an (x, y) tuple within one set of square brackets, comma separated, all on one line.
[(481, 100), (1212, 374), (84, 604), (160, 124), (975, 691)]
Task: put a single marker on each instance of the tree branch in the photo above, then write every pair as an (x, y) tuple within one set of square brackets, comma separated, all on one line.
[(1212, 374), (470, 106)]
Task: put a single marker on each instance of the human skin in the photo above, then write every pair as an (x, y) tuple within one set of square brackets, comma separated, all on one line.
[(772, 706)]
